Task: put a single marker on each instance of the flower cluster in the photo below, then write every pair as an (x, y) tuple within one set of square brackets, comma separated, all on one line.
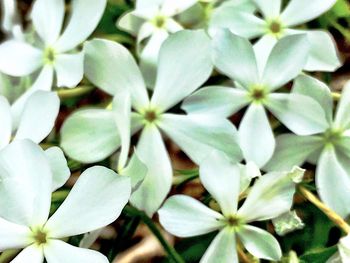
[(198, 65)]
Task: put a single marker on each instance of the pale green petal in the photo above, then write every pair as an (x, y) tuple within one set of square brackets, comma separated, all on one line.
[(255, 136), (90, 135), (262, 49), (286, 61), (342, 117), (13, 235), (344, 248), (299, 113), (247, 173), (269, 8), (216, 100), (69, 69), (6, 122), (197, 135), (31, 254), (222, 249), (59, 167), (221, 177), (185, 216), (136, 170), (171, 7), (174, 80), (293, 150), (260, 243), (234, 56), (130, 23)]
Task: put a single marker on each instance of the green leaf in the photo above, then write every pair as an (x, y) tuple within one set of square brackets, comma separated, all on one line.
[(320, 255)]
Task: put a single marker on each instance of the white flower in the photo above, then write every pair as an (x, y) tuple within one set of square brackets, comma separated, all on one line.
[(153, 20), (92, 135), (96, 200), (271, 196), (234, 56), (10, 22), (275, 24), (343, 254), (329, 150), (34, 123)]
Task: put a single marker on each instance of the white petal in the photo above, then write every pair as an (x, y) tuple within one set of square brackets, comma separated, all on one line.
[(13, 235), (216, 100), (152, 152), (39, 116), (323, 52), (317, 90), (19, 58), (255, 136), (185, 216), (286, 60), (301, 114), (10, 16), (136, 170), (269, 8), (43, 82), (122, 118), (58, 251), (25, 162), (247, 173), (130, 23), (262, 50), (149, 56), (174, 81), (111, 67), (90, 135), (234, 56), (197, 135), (292, 150), (333, 183), (6, 122), (171, 7), (86, 14), (59, 167), (260, 243), (270, 197), (95, 201), (47, 17), (239, 22), (222, 249), (344, 248), (31, 254), (69, 69), (342, 117), (298, 11), (141, 4), (221, 177)]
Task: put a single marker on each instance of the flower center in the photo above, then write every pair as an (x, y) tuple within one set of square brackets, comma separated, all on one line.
[(234, 222), (49, 55), (150, 116), (332, 136), (40, 237), (258, 94), (275, 27), (159, 21)]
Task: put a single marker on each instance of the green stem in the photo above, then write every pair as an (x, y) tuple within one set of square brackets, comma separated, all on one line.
[(8, 255), (173, 255), (76, 92), (345, 32)]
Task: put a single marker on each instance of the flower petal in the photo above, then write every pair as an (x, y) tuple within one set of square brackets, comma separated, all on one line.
[(111, 67), (31, 254), (58, 251), (152, 152), (270, 197), (292, 150), (43, 82), (86, 14), (222, 249), (59, 167), (6, 122), (130, 23), (95, 201), (312, 87), (9, 15), (269, 8), (262, 50), (333, 183), (234, 56), (185, 216), (258, 149), (39, 116), (260, 243), (239, 22), (298, 11), (24, 166), (47, 17), (286, 60), (342, 117), (19, 59), (69, 69), (136, 170), (174, 81), (323, 52), (13, 235), (171, 8), (216, 100), (221, 177), (197, 135), (90, 135), (301, 114)]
